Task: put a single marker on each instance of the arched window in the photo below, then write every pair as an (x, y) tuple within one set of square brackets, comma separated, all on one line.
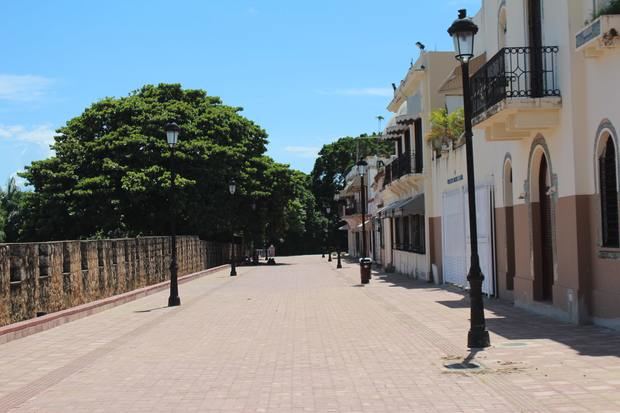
[(502, 23), (608, 189)]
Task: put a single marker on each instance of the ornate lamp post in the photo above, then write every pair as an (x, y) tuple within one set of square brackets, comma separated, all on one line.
[(463, 31), (172, 135), (232, 187), (362, 165), (329, 252), (365, 262), (253, 235)]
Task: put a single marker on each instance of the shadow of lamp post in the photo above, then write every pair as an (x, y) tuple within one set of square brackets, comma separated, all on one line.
[(463, 31), (172, 135)]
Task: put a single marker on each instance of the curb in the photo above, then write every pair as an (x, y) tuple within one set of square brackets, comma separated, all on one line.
[(36, 325)]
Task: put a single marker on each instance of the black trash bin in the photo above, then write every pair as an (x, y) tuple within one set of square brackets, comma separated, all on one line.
[(365, 268)]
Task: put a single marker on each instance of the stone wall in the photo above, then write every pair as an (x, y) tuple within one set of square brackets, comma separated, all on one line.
[(39, 278)]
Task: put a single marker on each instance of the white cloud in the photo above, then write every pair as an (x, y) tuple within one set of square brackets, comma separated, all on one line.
[(42, 135), (23, 88), (303, 151), (364, 91)]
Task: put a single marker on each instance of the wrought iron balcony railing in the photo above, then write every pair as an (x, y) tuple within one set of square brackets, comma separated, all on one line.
[(352, 209), (515, 72), (403, 165)]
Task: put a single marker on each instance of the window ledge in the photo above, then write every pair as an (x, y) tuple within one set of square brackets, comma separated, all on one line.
[(609, 253)]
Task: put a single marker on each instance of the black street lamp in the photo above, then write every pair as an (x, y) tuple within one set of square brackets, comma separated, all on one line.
[(339, 264), (329, 252), (362, 165), (463, 31), (365, 263), (232, 187), (253, 235), (172, 135)]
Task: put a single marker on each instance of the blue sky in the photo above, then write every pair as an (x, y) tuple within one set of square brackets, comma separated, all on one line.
[(306, 71)]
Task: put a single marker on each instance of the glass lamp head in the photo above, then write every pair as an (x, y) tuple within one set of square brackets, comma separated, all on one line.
[(463, 32), (172, 133), (362, 166)]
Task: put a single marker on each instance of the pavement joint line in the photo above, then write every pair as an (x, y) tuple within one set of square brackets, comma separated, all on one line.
[(32, 389), (502, 387)]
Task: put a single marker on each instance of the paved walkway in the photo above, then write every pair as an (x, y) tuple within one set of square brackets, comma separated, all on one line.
[(305, 337)]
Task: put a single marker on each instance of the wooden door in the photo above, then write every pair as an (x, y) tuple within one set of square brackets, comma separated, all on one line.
[(546, 241)]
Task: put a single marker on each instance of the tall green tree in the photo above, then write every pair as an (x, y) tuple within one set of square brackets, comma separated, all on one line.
[(12, 204), (110, 173), (336, 160)]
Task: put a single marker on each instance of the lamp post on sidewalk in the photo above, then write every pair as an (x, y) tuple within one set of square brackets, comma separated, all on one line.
[(328, 209), (172, 135), (232, 187), (463, 31), (362, 166)]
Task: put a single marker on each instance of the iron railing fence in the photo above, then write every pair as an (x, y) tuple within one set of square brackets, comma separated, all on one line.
[(403, 165), (515, 72)]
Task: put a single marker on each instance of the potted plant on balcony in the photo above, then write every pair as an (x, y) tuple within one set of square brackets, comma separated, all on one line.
[(613, 7), (446, 128)]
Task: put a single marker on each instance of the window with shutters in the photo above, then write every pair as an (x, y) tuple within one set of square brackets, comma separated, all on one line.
[(409, 234), (397, 236), (608, 189), (418, 234)]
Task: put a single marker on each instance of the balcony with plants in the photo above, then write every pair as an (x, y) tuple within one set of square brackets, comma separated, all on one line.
[(446, 131), (602, 33)]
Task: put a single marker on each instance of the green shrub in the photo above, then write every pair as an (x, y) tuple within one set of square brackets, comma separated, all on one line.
[(612, 8)]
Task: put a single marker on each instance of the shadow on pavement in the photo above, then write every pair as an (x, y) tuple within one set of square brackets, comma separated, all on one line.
[(151, 309), (519, 324)]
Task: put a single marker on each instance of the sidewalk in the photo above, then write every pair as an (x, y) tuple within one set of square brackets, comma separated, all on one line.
[(305, 337)]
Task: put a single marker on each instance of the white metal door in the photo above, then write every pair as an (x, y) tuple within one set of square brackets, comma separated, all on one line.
[(453, 240), (485, 236), (456, 243)]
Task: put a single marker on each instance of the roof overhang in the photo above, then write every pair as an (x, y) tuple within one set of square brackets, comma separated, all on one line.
[(454, 82)]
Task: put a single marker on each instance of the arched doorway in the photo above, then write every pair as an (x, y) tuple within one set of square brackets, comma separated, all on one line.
[(542, 226), (510, 226)]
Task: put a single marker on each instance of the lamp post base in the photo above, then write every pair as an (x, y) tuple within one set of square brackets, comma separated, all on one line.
[(339, 265), (174, 301), (329, 257), (478, 339), (233, 270)]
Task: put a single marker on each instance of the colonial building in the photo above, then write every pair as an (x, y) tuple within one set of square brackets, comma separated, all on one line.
[(404, 189), (351, 212), (546, 154), (546, 161)]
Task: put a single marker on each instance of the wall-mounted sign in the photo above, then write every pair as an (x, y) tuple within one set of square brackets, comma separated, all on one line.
[(455, 179)]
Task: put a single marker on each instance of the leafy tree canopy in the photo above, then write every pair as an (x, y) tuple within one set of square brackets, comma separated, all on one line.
[(110, 174), (337, 158)]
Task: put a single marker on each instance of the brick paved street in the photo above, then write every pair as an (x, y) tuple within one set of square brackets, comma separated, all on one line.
[(304, 337)]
